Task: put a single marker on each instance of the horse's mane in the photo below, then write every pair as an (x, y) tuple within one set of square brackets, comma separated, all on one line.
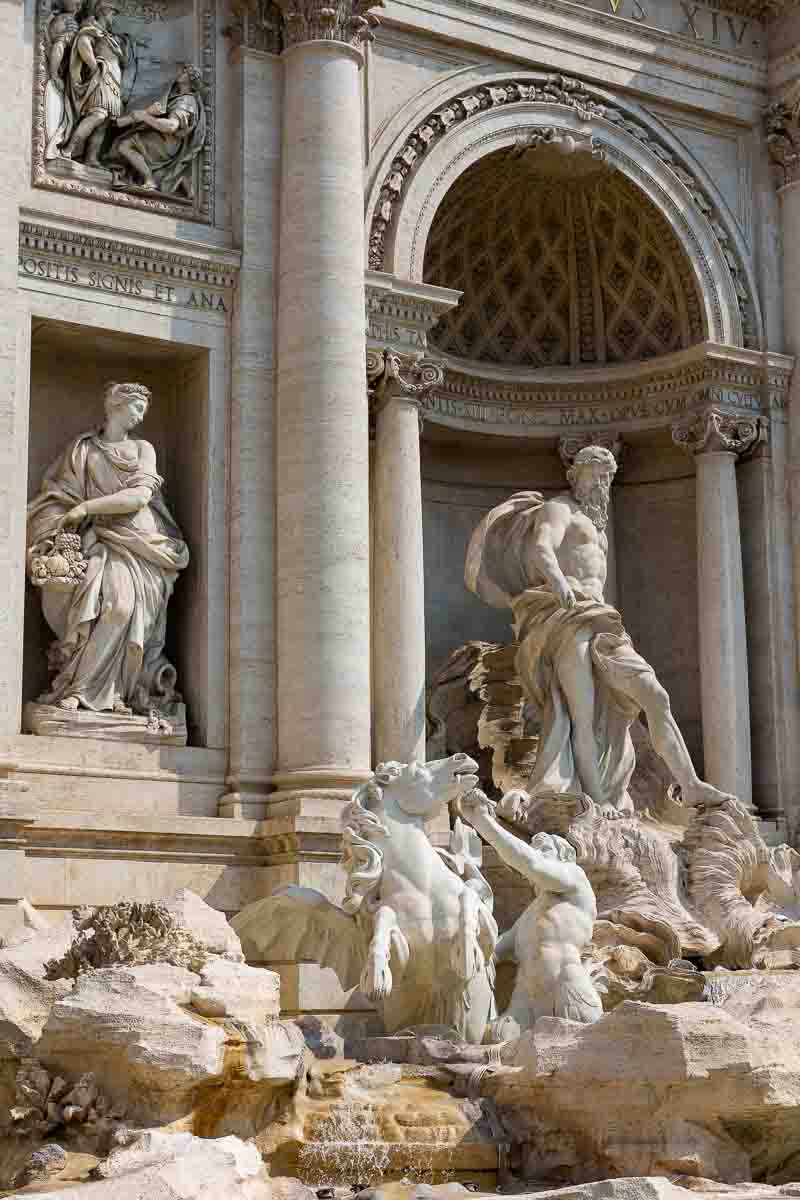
[(361, 858)]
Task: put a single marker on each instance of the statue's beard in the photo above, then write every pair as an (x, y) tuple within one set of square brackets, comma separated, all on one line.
[(594, 503)]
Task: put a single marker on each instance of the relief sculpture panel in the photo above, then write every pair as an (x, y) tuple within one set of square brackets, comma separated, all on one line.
[(124, 101)]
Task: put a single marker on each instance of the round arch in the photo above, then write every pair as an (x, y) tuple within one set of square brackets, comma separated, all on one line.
[(429, 153)]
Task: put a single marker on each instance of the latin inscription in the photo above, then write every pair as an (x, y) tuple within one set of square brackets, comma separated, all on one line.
[(118, 283), (388, 332), (697, 21)]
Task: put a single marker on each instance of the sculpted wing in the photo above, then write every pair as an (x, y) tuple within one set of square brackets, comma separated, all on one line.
[(299, 924)]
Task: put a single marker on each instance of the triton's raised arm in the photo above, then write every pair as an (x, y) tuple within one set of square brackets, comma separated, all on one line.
[(549, 874)]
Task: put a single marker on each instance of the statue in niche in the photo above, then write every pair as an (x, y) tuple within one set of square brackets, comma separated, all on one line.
[(162, 141), (548, 939), (98, 58), (546, 561), (105, 552)]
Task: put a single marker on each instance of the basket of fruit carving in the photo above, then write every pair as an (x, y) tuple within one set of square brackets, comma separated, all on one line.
[(58, 562)]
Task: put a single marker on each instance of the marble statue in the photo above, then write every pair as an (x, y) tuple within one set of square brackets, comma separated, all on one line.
[(160, 143), (98, 58), (546, 561), (548, 939), (415, 930), (60, 32), (105, 552)]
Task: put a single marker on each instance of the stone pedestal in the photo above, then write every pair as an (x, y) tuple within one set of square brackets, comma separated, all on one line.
[(398, 580), (716, 439), (322, 484)]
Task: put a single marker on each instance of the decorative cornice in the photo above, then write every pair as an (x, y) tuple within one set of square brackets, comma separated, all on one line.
[(589, 106), (645, 395), (399, 313), (348, 21), (713, 431), (40, 241)]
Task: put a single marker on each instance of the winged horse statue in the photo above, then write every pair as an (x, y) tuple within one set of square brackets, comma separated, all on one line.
[(415, 930)]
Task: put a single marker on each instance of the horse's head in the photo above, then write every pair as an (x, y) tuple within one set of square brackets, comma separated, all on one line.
[(425, 789)]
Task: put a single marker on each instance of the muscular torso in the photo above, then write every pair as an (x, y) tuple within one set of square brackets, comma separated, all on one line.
[(582, 553), (553, 930)]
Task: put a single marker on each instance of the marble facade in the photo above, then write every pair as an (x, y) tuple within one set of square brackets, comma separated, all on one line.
[(420, 263)]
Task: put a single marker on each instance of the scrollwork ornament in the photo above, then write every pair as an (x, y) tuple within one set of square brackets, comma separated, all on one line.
[(714, 432)]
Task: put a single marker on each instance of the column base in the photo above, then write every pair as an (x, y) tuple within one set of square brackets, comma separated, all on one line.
[(243, 806), (315, 791)]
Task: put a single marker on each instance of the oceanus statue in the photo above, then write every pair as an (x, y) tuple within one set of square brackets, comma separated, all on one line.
[(415, 930)]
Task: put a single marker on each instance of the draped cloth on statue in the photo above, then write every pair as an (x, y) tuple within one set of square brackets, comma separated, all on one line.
[(501, 571), (111, 627)]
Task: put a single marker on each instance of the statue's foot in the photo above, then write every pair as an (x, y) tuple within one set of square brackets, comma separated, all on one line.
[(121, 708), (376, 978), (70, 703), (611, 813), (704, 795), (149, 185)]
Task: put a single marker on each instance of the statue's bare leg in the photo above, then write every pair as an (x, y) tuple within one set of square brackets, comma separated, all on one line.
[(667, 739), (138, 162), (576, 679), (86, 127), (95, 145)]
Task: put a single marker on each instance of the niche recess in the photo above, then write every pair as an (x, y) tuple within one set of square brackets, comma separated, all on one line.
[(70, 365)]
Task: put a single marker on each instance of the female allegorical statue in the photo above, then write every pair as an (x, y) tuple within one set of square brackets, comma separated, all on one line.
[(108, 606)]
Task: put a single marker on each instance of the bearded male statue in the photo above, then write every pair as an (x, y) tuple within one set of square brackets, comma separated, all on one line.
[(546, 560)]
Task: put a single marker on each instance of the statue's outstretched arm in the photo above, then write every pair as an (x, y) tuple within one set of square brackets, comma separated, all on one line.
[(548, 874)]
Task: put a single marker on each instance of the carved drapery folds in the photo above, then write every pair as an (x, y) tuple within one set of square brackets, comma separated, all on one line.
[(713, 431), (349, 21)]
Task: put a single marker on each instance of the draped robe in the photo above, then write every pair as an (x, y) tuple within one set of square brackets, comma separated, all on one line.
[(498, 570), (110, 628)]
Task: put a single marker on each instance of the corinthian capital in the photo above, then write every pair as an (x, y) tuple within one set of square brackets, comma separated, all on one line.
[(712, 431), (348, 21)]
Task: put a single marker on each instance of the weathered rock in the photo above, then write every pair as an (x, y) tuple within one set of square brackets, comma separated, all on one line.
[(125, 1024), (208, 925), (163, 1166), (128, 933), (47, 1161), (649, 1089), (26, 996), (286, 1188), (232, 989)]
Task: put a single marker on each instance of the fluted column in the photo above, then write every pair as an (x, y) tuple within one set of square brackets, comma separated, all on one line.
[(716, 439), (322, 569), (568, 447), (398, 580)]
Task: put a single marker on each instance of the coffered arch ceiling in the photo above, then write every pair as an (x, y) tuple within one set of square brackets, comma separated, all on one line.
[(562, 261)]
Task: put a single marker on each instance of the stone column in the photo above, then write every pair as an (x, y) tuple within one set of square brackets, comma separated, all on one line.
[(568, 447), (258, 76), (715, 439), (322, 484), (14, 361), (398, 580)]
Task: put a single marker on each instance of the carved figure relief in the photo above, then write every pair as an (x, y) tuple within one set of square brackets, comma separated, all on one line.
[(123, 117), (104, 551)]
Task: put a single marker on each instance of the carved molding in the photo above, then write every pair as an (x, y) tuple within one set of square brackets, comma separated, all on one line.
[(399, 314), (713, 431), (393, 377), (650, 395), (202, 208), (588, 106), (348, 21), (87, 250), (257, 25)]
